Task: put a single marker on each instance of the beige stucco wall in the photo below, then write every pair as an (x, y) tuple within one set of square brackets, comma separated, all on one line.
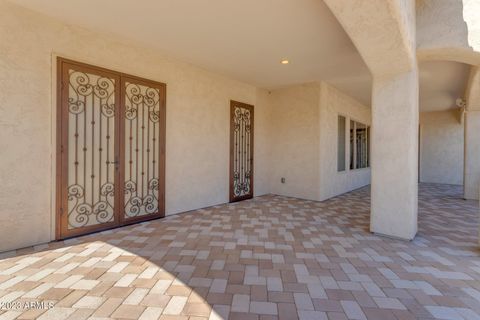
[(441, 147), (197, 144), (262, 143), (304, 141), (294, 143), (333, 102)]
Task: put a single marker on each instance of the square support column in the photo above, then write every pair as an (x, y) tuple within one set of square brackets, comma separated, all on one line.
[(472, 155), (395, 114)]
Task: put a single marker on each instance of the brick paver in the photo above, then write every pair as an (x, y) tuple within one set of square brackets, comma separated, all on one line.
[(271, 257)]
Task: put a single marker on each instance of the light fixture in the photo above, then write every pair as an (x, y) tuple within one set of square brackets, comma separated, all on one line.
[(284, 61)]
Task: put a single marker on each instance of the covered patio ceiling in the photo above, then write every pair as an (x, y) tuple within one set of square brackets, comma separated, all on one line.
[(246, 40)]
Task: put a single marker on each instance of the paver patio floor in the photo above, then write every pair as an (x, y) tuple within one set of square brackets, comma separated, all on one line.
[(268, 258)]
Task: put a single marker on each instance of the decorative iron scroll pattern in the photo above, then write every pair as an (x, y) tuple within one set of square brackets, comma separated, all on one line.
[(91, 130), (242, 165), (142, 128)]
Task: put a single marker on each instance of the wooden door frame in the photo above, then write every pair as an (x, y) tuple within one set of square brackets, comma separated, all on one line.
[(249, 107), (61, 175), (61, 229)]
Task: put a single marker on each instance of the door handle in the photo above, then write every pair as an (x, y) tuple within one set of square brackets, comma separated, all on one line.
[(116, 162)]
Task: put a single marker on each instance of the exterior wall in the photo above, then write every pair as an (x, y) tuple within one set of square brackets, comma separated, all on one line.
[(441, 147), (332, 104), (294, 143), (197, 138), (304, 141), (262, 144)]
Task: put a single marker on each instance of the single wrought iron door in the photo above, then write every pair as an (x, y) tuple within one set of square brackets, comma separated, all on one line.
[(143, 146), (110, 150), (241, 151)]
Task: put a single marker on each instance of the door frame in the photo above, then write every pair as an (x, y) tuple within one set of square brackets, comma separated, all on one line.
[(61, 170), (249, 107)]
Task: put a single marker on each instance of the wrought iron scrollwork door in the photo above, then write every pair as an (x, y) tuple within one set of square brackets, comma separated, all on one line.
[(95, 106), (241, 151), (142, 151)]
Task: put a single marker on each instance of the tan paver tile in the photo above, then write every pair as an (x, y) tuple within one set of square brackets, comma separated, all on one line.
[(108, 307), (128, 312), (197, 309)]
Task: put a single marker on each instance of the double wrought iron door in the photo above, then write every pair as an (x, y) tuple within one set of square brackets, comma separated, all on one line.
[(110, 150), (241, 151)]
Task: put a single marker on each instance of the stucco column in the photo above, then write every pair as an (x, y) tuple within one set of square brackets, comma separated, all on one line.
[(395, 155), (472, 155), (471, 177), (386, 40)]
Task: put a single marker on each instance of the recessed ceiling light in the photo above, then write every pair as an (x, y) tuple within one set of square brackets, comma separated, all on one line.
[(284, 61)]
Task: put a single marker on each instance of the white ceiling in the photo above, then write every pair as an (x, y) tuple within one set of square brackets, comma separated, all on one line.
[(243, 39), (246, 40), (441, 83)]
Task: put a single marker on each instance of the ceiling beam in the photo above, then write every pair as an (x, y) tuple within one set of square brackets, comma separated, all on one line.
[(448, 30), (382, 30)]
